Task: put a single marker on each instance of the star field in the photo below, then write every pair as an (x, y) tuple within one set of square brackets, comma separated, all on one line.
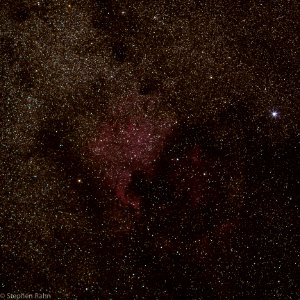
[(149, 149)]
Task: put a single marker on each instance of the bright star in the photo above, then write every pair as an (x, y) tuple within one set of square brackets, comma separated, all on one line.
[(275, 114)]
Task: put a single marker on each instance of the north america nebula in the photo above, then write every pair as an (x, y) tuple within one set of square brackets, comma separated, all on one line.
[(149, 149)]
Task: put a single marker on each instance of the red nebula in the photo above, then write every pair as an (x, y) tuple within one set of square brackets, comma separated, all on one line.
[(131, 141)]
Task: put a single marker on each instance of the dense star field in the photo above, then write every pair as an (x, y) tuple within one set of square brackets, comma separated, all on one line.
[(149, 149)]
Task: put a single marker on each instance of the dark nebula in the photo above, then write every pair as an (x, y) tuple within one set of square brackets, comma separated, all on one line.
[(149, 149)]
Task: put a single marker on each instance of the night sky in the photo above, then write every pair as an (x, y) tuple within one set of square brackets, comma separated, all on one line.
[(149, 149)]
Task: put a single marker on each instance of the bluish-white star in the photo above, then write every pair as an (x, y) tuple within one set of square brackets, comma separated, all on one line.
[(275, 114)]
